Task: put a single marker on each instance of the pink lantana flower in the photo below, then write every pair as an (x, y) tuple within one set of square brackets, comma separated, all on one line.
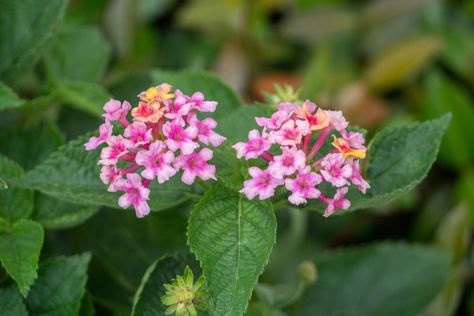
[(338, 202), (287, 163), (164, 122), (262, 184), (356, 177), (195, 165), (337, 120), (334, 170), (157, 161), (254, 148), (303, 186), (290, 133), (136, 194), (105, 131)]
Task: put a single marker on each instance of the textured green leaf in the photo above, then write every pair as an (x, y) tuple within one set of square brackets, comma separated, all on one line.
[(85, 96), (399, 158), (15, 203), (441, 96), (25, 27), (56, 214), (401, 61), (60, 286), (20, 247), (232, 238), (11, 302), (8, 98), (72, 174), (147, 300), (384, 279), (78, 53)]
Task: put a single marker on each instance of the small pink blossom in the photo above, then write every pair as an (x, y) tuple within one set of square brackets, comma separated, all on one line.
[(202, 105), (179, 107), (275, 122), (157, 162), (334, 169), (116, 111), (116, 148), (338, 202), (337, 120), (255, 147), (354, 139), (137, 134), (262, 184), (136, 194), (105, 131), (205, 130), (179, 137), (290, 133), (303, 186), (108, 174), (357, 179), (288, 107), (195, 165), (287, 163)]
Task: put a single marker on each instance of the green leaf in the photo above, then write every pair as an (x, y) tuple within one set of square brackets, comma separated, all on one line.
[(25, 28), (11, 302), (402, 61), (384, 279), (441, 95), (20, 247), (85, 96), (15, 203), (87, 306), (78, 53), (56, 214), (72, 174), (232, 238), (147, 300), (399, 158), (60, 286), (8, 98), (30, 146)]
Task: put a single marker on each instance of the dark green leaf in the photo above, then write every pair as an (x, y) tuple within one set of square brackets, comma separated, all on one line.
[(87, 306), (11, 302), (8, 98), (385, 279), (85, 96), (78, 53), (20, 247), (15, 203), (232, 237), (60, 286), (147, 300), (25, 27)]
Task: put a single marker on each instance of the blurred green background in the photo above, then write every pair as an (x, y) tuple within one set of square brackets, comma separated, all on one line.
[(380, 62)]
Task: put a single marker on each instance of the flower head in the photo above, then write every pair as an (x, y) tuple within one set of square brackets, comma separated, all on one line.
[(292, 142), (162, 139)]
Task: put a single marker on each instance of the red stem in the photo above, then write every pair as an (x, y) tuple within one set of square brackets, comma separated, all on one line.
[(267, 156), (319, 142)]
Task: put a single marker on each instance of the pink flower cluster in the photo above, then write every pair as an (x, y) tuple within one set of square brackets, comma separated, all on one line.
[(163, 138), (297, 133)]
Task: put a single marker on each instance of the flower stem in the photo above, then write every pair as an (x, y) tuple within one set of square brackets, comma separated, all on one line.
[(267, 156), (319, 142), (306, 142)]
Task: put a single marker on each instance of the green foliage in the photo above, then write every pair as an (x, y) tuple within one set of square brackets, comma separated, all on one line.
[(8, 98), (72, 174), (147, 300), (232, 238), (59, 289), (25, 28), (85, 96), (20, 247), (383, 279), (15, 203), (11, 302)]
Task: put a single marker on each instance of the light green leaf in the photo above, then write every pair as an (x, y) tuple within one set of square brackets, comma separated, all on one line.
[(78, 53), (399, 158), (72, 174), (232, 238), (60, 286), (402, 61), (15, 203), (8, 98), (441, 95), (85, 96), (25, 28), (20, 247), (147, 300), (56, 214), (11, 302), (384, 279)]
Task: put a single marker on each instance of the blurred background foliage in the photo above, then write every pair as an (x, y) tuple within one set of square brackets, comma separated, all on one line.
[(381, 62)]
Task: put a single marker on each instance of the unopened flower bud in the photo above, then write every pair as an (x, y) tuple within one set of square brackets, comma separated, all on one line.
[(307, 272)]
